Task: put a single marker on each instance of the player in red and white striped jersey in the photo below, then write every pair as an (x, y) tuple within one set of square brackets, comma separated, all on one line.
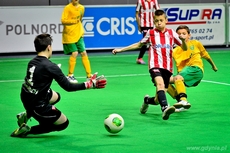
[(161, 41), (144, 17), (160, 50)]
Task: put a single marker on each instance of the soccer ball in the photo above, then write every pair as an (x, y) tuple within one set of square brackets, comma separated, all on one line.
[(114, 123)]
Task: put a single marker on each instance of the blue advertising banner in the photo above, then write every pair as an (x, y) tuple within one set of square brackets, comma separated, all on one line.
[(115, 26), (110, 27)]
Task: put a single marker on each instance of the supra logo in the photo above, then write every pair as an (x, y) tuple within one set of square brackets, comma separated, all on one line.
[(1, 22), (88, 26), (168, 46), (192, 16)]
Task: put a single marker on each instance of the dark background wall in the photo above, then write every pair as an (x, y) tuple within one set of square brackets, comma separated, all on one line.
[(95, 2)]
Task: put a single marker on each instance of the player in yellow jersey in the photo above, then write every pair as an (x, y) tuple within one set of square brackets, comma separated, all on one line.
[(189, 67), (72, 37)]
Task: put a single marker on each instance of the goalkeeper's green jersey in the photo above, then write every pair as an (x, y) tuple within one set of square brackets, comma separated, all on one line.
[(71, 20), (192, 57)]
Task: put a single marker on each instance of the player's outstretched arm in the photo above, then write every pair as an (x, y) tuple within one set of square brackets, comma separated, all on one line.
[(184, 45), (96, 82), (130, 47), (212, 64)]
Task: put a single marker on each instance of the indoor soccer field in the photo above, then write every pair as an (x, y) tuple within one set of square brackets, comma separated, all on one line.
[(205, 127)]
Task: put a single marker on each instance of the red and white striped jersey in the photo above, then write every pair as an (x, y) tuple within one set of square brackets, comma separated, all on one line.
[(146, 10), (160, 47)]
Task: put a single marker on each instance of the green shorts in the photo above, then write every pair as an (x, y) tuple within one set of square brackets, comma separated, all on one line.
[(78, 46), (192, 75)]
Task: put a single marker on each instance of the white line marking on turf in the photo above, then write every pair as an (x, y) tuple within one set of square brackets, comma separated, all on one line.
[(5, 81), (125, 75), (64, 58), (91, 55), (214, 82)]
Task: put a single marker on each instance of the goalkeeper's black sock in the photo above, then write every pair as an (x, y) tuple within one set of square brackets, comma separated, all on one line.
[(162, 99), (150, 100)]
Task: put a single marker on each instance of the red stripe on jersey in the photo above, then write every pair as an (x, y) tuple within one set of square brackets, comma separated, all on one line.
[(171, 42), (156, 4), (154, 53), (149, 19), (163, 50), (143, 17)]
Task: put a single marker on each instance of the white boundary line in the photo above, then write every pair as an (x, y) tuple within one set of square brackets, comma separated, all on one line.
[(63, 57), (127, 75), (214, 82), (101, 56), (91, 55)]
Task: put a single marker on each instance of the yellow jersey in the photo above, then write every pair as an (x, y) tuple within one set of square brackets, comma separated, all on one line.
[(72, 26), (192, 57)]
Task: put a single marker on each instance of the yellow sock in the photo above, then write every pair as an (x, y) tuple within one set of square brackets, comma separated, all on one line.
[(180, 87), (86, 64), (72, 64), (172, 91)]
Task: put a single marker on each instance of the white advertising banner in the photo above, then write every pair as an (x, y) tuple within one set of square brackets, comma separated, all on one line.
[(206, 21), (20, 25)]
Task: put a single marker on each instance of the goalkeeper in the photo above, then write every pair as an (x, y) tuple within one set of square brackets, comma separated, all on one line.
[(189, 67), (37, 96)]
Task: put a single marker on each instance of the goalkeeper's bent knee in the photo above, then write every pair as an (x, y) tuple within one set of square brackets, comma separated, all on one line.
[(62, 126)]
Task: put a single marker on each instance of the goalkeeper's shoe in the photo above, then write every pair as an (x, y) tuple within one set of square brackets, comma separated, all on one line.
[(167, 111), (145, 105), (182, 104), (22, 118), (22, 131)]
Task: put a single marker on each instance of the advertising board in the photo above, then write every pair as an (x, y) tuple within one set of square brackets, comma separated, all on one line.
[(106, 27)]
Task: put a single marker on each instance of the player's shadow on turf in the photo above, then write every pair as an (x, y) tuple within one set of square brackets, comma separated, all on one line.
[(43, 136), (152, 115), (114, 136), (156, 118)]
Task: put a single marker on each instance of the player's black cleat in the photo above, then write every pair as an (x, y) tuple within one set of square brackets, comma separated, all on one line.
[(22, 131), (167, 112), (144, 106)]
